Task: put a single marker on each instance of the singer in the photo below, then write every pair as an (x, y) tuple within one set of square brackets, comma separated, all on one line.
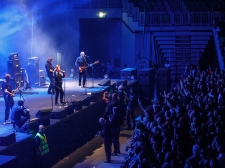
[(58, 75), (50, 70), (81, 63)]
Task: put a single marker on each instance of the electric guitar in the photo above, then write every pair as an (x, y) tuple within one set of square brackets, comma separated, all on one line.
[(82, 68), (10, 96)]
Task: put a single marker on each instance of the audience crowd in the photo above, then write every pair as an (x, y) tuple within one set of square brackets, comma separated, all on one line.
[(184, 127)]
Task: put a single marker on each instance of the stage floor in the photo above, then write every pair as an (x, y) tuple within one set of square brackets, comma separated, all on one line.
[(37, 98)]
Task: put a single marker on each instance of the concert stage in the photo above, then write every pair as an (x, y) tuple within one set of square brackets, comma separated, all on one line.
[(66, 132)]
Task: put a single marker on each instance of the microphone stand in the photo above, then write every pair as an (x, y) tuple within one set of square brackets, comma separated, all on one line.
[(92, 72)]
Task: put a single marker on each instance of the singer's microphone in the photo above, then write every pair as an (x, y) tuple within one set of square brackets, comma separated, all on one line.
[(87, 56)]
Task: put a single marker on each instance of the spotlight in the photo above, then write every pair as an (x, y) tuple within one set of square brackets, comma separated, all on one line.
[(101, 14)]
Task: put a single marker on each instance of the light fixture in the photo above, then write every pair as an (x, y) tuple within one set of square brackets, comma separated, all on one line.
[(101, 14)]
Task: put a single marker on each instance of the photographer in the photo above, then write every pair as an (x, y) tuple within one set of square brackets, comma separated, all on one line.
[(19, 114)]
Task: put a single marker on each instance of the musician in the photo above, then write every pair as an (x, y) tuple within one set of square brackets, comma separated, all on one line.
[(50, 70), (8, 97), (19, 114), (81, 62), (58, 75)]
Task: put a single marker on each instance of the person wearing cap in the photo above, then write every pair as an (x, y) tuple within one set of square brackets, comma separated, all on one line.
[(50, 70), (19, 114)]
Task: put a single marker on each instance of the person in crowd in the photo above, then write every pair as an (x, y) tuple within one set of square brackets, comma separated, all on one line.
[(186, 128), (50, 70), (121, 103), (42, 149), (107, 135), (132, 100), (8, 95), (112, 101), (58, 75), (19, 114), (81, 64), (115, 123)]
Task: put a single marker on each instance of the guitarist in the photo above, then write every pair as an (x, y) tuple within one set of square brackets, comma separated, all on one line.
[(8, 97), (81, 63)]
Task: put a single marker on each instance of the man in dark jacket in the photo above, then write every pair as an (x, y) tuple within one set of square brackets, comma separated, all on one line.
[(19, 114), (115, 122), (106, 134), (50, 70)]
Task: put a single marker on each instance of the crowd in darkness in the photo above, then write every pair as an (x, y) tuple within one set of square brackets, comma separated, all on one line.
[(184, 127)]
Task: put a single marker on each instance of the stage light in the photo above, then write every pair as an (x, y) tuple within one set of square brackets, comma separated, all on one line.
[(101, 14), (106, 76)]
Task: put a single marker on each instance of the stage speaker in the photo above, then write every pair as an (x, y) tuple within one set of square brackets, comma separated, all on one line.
[(128, 72), (163, 74), (42, 77), (14, 67), (7, 139), (13, 56), (30, 127), (77, 104), (121, 82), (58, 114), (69, 109), (105, 82), (8, 161), (45, 120), (43, 112), (33, 70), (146, 81)]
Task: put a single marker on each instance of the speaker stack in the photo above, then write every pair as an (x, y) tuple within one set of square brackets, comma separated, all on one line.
[(13, 64), (146, 81), (163, 79), (33, 71), (127, 73)]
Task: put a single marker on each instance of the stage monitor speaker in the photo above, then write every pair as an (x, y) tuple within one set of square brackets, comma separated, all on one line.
[(30, 127), (7, 139), (45, 120), (58, 114), (128, 72), (8, 161), (43, 112), (105, 82)]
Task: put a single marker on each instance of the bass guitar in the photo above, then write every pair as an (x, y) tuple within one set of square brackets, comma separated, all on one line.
[(82, 68), (10, 96)]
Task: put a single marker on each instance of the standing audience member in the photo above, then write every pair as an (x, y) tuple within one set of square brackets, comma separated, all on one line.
[(42, 149), (121, 103), (115, 122), (50, 70), (132, 100), (106, 134)]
